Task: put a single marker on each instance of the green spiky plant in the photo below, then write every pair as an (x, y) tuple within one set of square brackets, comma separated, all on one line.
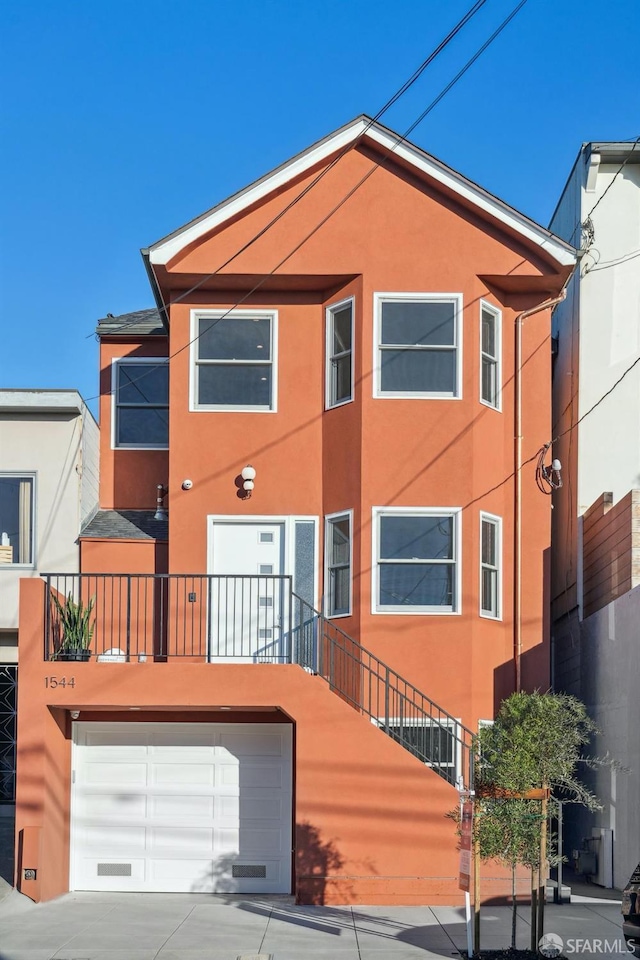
[(75, 624)]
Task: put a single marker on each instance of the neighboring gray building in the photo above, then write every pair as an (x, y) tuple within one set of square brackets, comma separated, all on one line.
[(595, 598), (49, 453)]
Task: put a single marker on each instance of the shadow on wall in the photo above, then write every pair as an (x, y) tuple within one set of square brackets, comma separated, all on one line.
[(315, 862), (534, 671)]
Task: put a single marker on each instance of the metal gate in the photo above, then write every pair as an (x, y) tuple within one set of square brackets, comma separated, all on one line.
[(8, 702)]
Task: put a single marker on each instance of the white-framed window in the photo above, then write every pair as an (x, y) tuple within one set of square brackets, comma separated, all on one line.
[(490, 351), (433, 740), (418, 345), (416, 560), (339, 377), (234, 360), (17, 520), (490, 566), (338, 534), (141, 403)]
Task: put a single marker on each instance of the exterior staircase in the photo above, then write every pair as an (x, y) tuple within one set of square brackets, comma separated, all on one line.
[(376, 690)]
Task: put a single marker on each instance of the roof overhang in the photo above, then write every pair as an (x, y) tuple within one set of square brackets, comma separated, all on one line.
[(360, 130)]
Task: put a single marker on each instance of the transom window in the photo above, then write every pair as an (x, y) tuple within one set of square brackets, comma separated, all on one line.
[(338, 565), (16, 519), (234, 362), (416, 562), (490, 551), (339, 353), (141, 404), (418, 340), (490, 324)]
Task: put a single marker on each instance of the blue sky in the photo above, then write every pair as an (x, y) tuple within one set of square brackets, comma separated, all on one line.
[(120, 121)]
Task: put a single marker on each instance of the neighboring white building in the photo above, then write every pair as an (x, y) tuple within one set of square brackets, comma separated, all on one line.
[(596, 558), (48, 489)]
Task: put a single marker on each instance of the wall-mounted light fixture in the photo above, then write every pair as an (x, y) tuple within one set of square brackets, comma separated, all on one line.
[(74, 714), (248, 475), (161, 511)]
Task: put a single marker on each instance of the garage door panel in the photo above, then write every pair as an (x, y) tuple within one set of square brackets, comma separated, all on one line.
[(183, 773), (187, 872), (115, 773), (182, 805), (256, 745), (112, 873), (188, 816), (260, 776), (106, 743), (188, 840), (260, 808), (253, 842), (114, 837), (113, 806)]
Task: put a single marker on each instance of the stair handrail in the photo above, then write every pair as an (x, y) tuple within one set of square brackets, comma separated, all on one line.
[(393, 703)]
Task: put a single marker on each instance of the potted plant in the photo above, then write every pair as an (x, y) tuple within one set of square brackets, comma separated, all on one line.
[(74, 628)]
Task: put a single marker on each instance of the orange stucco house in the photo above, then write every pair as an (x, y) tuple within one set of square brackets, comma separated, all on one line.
[(347, 569)]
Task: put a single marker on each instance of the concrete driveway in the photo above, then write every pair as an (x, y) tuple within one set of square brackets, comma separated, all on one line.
[(98, 926)]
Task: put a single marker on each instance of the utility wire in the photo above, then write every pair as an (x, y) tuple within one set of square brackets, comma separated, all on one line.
[(350, 146), (381, 163), (581, 222)]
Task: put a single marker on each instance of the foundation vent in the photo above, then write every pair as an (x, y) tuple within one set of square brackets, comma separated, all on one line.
[(253, 870), (114, 869)]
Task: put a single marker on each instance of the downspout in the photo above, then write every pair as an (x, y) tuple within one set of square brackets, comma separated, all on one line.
[(517, 471)]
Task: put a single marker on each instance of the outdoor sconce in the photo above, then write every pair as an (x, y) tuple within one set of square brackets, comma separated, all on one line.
[(248, 475), (161, 511)]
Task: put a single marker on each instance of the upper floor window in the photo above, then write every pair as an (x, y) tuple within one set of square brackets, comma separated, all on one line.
[(234, 360), (490, 324), (418, 344), (16, 519), (416, 560), (339, 387), (141, 406), (338, 564), (490, 556)]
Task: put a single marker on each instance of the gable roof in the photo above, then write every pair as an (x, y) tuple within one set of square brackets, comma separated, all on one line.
[(359, 129)]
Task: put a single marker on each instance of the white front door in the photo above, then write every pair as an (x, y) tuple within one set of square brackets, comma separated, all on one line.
[(247, 602), (181, 807)]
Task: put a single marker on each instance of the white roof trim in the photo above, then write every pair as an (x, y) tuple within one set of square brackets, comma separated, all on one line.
[(164, 250)]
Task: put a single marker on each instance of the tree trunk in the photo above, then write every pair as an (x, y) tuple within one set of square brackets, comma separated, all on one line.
[(542, 868), (514, 902)]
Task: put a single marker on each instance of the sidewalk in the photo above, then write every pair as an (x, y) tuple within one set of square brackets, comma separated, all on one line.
[(93, 926)]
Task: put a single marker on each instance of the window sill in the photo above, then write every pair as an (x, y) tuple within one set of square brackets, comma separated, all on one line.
[(407, 395), (419, 612), (491, 406)]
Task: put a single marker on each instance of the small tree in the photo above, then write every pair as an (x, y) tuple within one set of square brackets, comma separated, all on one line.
[(508, 830), (535, 742)]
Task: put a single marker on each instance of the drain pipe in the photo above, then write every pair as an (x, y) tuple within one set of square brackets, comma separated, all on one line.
[(517, 471)]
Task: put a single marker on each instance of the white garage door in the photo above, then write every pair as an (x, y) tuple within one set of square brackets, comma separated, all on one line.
[(181, 807)]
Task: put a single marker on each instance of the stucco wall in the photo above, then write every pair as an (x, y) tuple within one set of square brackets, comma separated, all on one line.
[(49, 446)]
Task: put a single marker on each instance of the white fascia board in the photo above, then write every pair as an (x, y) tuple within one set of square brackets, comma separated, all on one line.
[(164, 250)]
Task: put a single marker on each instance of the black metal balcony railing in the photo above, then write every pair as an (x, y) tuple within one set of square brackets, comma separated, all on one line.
[(253, 619)]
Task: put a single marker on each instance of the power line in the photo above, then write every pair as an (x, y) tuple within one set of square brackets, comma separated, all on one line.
[(350, 146), (381, 163), (584, 221)]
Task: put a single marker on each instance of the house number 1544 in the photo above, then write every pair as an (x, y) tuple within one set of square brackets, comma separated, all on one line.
[(52, 682)]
